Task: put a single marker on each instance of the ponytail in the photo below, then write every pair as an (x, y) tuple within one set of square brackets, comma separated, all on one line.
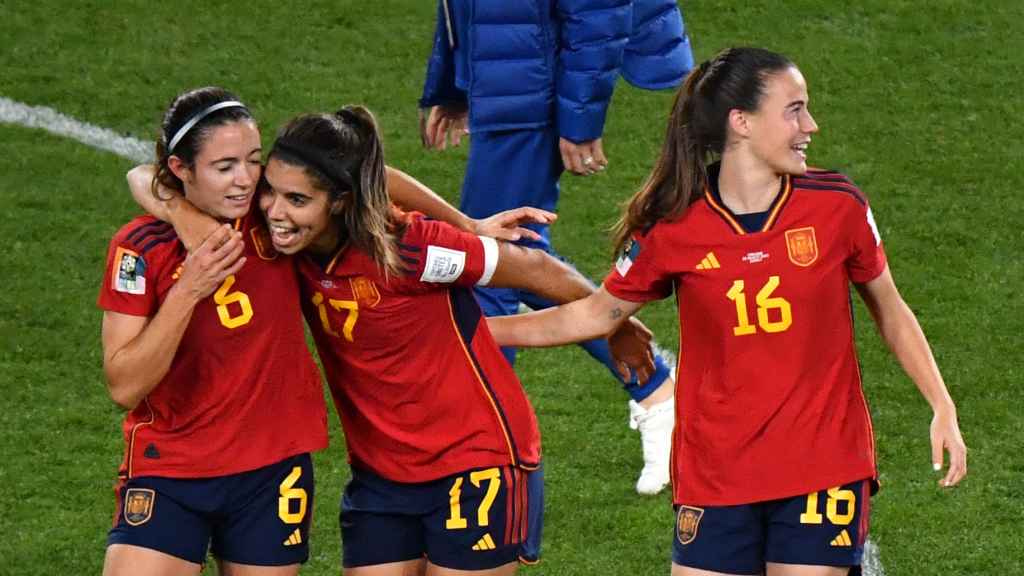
[(696, 134)]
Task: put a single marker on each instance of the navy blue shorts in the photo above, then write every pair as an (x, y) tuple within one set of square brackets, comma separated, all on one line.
[(475, 520), (824, 528), (260, 517)]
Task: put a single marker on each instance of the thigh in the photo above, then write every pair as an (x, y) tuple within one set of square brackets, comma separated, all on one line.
[(718, 539), (266, 521), (165, 515), (128, 560), (486, 519), (381, 532), (823, 528)]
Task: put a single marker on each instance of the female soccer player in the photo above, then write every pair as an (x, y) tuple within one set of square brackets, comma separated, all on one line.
[(773, 456), (443, 442), (224, 399)]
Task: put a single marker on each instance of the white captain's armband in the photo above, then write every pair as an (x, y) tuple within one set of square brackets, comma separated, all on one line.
[(874, 227), (443, 265), (129, 273), (490, 260)]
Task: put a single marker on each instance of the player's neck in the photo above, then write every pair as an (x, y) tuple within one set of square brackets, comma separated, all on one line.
[(746, 185)]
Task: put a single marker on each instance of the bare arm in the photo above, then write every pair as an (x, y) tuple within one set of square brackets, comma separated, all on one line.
[(138, 350), (192, 225), (903, 335), (595, 316), (411, 194)]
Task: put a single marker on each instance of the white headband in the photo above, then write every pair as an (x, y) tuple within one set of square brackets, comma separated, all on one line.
[(195, 120)]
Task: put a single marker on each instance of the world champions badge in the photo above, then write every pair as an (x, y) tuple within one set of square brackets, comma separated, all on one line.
[(138, 505), (802, 246), (687, 523)]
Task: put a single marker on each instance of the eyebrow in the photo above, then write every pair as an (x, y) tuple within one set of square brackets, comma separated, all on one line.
[(232, 158)]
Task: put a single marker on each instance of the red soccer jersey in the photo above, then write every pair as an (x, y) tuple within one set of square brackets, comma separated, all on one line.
[(242, 391), (422, 389), (768, 394)]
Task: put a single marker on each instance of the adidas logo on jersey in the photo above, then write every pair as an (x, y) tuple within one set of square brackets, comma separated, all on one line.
[(709, 262), (295, 538), (485, 543), (843, 539)]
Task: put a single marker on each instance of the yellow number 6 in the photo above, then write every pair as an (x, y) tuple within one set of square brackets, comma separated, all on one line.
[(224, 296)]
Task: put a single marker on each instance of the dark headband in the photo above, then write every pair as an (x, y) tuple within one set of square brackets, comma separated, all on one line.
[(334, 169)]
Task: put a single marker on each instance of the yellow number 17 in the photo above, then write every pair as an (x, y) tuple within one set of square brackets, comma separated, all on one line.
[(455, 520), (350, 321)]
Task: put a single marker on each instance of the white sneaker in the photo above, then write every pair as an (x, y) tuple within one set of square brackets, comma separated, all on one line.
[(655, 425)]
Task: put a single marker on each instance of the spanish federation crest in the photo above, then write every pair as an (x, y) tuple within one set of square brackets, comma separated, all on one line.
[(138, 505), (687, 523), (365, 291), (802, 246)]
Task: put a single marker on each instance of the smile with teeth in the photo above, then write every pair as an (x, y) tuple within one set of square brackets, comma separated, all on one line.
[(280, 232), (800, 148)]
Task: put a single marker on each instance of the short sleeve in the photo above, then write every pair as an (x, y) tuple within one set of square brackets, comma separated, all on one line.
[(638, 275), (129, 282), (444, 254), (867, 258)]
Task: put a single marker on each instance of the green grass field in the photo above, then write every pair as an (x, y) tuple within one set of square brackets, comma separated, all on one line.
[(918, 102)]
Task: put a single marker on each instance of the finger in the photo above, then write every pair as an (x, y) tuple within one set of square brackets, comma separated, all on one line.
[(623, 370), (441, 134), (531, 214), (214, 240), (936, 453), (526, 233), (599, 158), (234, 268), (577, 164), (457, 135), (430, 129), (566, 160)]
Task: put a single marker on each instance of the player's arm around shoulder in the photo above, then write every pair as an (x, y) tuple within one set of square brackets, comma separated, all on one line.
[(138, 350), (192, 225), (902, 333)]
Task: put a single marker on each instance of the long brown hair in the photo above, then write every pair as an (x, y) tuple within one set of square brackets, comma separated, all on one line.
[(696, 133), (343, 154)]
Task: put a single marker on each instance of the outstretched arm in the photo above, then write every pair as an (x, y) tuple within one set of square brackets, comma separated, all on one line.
[(411, 194), (902, 333), (595, 316), (538, 272)]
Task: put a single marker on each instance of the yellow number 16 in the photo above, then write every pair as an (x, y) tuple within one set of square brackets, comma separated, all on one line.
[(765, 302)]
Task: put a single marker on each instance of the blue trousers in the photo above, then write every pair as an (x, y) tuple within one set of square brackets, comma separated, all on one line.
[(514, 168)]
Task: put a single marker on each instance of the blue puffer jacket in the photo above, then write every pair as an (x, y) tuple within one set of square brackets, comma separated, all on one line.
[(534, 62)]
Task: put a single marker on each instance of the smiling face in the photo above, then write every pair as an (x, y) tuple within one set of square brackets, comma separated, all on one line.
[(222, 180), (779, 131), (299, 214)]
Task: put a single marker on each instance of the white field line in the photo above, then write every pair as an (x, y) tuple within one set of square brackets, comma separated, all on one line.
[(48, 119)]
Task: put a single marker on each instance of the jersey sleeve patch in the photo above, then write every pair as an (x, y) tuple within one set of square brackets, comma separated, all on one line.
[(129, 274), (627, 257), (443, 265)]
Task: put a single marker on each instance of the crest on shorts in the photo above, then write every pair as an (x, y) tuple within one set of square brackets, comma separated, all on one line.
[(365, 291), (138, 505), (687, 523), (802, 246)]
